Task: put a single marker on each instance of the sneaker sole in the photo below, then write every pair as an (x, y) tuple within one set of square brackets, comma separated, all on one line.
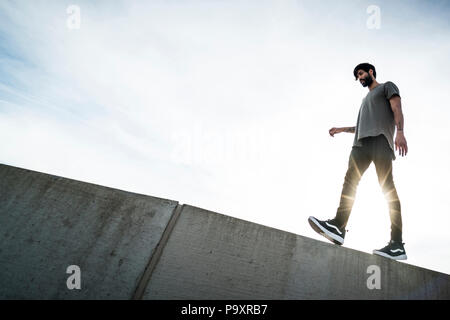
[(324, 232), (401, 257)]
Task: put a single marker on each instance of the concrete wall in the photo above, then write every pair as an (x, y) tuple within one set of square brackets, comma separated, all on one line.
[(135, 246), (48, 223), (213, 256)]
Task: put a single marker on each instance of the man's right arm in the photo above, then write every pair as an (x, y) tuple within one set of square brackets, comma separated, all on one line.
[(333, 131)]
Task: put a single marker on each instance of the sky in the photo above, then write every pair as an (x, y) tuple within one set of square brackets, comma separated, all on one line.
[(226, 105)]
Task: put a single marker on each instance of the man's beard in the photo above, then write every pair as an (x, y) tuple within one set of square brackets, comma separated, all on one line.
[(367, 81)]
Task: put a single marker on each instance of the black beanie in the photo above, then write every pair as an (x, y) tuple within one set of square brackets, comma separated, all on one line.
[(366, 67)]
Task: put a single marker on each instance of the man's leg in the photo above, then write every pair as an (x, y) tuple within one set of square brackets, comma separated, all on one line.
[(358, 163), (383, 164)]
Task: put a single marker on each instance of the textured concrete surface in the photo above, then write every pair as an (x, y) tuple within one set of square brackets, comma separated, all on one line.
[(135, 246), (213, 256), (48, 223)]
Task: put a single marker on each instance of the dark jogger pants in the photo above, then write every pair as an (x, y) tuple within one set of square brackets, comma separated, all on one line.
[(374, 149)]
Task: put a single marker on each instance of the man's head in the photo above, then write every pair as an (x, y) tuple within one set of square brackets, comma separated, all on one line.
[(365, 73)]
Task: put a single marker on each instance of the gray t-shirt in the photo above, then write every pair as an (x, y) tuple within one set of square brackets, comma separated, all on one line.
[(375, 116)]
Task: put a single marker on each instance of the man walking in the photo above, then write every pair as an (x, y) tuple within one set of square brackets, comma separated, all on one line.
[(379, 114)]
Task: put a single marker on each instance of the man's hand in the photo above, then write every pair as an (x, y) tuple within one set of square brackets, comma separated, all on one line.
[(333, 131), (400, 144)]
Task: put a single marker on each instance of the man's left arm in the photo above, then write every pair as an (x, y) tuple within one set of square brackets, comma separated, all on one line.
[(400, 140)]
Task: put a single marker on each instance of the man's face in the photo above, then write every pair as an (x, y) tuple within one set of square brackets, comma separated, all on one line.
[(364, 78)]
